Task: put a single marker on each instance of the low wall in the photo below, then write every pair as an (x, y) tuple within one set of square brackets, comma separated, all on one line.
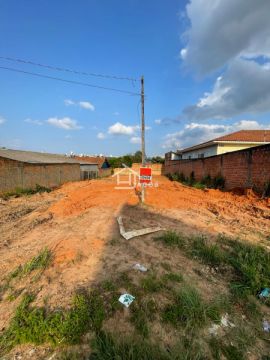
[(248, 168), (157, 169), (14, 174), (105, 172)]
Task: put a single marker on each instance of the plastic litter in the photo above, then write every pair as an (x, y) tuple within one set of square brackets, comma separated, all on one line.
[(140, 267), (126, 299), (266, 326), (224, 322), (265, 293)]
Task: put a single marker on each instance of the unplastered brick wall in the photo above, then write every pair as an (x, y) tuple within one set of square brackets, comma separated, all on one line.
[(249, 168), (14, 174)]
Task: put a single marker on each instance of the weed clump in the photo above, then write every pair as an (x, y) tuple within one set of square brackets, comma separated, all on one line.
[(18, 192), (172, 238), (210, 254), (252, 266), (189, 310), (37, 325)]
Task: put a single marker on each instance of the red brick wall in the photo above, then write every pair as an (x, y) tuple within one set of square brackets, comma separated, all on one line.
[(244, 168)]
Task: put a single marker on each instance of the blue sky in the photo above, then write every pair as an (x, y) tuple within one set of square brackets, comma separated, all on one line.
[(203, 69)]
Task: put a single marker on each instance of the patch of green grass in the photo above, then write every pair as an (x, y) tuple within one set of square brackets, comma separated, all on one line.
[(172, 238), (37, 325), (210, 254), (142, 311), (252, 267), (173, 277), (151, 283), (107, 348), (18, 192), (189, 310), (199, 185), (41, 261)]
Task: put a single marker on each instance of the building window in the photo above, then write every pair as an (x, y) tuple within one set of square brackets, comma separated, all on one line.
[(200, 156)]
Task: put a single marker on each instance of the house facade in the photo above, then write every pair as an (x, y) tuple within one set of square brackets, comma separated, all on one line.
[(239, 140), (104, 168)]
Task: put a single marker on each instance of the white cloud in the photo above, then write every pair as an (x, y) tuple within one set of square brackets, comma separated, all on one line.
[(121, 129), (232, 37), (2, 120), (101, 136), (65, 123), (34, 122), (68, 137), (196, 133), (158, 121), (224, 30), (82, 104), (69, 102), (116, 113), (86, 105), (244, 87), (135, 140)]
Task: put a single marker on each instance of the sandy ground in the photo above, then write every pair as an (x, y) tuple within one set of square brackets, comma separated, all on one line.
[(78, 223)]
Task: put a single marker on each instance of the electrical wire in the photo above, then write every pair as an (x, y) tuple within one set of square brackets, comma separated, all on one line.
[(67, 70), (70, 81)]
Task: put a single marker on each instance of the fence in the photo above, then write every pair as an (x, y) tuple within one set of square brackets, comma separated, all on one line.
[(248, 168)]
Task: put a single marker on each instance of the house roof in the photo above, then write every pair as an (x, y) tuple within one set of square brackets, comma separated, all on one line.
[(241, 136), (99, 160), (32, 157)]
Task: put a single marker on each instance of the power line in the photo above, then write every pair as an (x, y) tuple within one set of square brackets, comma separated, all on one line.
[(67, 70), (70, 81)]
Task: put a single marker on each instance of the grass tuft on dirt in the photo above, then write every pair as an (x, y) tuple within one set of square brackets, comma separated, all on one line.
[(38, 325), (24, 192), (189, 310)]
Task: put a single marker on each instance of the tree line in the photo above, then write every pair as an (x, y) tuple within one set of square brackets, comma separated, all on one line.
[(129, 159)]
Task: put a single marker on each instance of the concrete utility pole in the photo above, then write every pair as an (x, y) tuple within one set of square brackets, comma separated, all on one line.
[(143, 134)]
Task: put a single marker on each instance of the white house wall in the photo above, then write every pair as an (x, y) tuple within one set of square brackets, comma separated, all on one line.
[(195, 154)]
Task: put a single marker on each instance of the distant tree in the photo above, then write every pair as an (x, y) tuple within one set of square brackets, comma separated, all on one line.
[(137, 157), (157, 160)]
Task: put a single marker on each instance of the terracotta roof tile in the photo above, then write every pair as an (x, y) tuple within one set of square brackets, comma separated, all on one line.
[(247, 135)]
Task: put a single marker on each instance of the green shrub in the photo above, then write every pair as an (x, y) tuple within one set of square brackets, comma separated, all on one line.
[(266, 192), (207, 181), (218, 182)]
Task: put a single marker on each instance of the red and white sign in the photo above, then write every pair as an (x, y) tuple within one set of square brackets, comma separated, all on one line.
[(145, 175)]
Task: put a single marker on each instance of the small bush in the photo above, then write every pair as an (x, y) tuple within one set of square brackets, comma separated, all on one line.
[(218, 182), (198, 185), (207, 181), (266, 192), (191, 179)]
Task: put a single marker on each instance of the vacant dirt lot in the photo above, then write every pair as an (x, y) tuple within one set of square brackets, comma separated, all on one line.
[(78, 224)]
